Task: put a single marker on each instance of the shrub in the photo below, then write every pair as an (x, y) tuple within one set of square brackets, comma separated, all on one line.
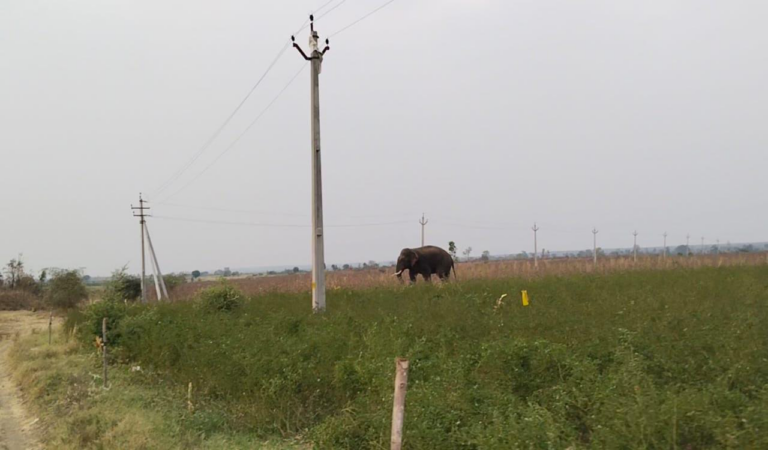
[(223, 297), (123, 286), (173, 281), (65, 290), (96, 312), (16, 300)]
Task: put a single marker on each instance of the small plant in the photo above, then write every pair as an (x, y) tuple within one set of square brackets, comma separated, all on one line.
[(222, 297)]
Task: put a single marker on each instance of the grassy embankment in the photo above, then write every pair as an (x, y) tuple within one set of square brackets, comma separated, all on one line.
[(641, 359)]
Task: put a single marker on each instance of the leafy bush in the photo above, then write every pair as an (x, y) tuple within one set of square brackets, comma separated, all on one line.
[(93, 315), (223, 297), (174, 280), (65, 290), (13, 300), (122, 286)]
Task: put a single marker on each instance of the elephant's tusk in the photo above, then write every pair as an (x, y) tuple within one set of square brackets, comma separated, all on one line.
[(397, 274)]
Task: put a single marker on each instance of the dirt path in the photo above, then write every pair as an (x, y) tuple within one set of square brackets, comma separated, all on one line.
[(17, 428)]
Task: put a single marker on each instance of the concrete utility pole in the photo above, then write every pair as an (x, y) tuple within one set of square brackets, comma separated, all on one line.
[(318, 248), (688, 245), (594, 246), (141, 208), (634, 248), (718, 246), (664, 252), (159, 281), (423, 222), (702, 245), (535, 245)]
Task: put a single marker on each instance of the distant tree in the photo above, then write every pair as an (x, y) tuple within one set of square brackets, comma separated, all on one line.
[(295, 270), (467, 251), (43, 277), (485, 256), (86, 279), (15, 271), (227, 272), (195, 274), (452, 249), (681, 250), (65, 290), (334, 267), (373, 264), (345, 267)]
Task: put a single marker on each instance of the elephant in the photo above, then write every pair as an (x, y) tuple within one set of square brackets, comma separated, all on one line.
[(425, 261)]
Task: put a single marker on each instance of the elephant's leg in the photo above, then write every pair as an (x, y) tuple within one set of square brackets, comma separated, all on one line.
[(412, 275), (427, 276)]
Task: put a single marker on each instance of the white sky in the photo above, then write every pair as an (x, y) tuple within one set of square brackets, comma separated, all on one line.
[(647, 115)]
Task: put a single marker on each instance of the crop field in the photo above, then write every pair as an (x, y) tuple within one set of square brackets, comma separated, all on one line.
[(382, 277), (639, 358)]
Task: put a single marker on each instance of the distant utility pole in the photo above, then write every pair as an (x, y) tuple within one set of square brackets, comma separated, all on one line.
[(702, 245), (594, 246), (718, 246), (318, 248), (160, 288), (141, 215), (634, 248), (423, 222), (535, 245), (688, 244), (664, 252)]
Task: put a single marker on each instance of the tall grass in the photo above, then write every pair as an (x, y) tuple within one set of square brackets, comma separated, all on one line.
[(382, 277), (640, 359)]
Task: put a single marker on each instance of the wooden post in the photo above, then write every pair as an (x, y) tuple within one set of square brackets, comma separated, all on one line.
[(398, 407), (190, 407), (50, 326), (104, 347)]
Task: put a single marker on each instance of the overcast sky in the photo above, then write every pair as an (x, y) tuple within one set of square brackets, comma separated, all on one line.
[(487, 115)]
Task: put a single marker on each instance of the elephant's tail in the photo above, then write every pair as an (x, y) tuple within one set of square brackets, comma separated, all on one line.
[(453, 266)]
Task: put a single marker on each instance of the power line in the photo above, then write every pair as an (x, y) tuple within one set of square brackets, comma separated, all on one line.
[(330, 10), (273, 213), (210, 140), (245, 211), (278, 225), (361, 19), (306, 22), (192, 180)]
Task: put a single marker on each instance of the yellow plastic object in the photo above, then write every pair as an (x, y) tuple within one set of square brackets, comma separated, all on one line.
[(525, 298)]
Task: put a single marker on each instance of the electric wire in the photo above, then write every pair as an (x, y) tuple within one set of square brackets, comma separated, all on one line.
[(278, 225), (360, 19), (210, 140), (228, 148), (273, 213)]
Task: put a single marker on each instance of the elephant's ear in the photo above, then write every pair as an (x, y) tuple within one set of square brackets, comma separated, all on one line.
[(414, 259)]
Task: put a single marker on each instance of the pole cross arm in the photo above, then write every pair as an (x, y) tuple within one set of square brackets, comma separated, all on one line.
[(310, 58), (296, 46)]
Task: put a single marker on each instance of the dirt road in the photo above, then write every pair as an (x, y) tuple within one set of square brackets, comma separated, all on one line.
[(17, 428)]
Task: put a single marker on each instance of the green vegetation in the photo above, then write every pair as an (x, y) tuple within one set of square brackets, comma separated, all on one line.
[(133, 414), (640, 359), (122, 286), (65, 290)]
